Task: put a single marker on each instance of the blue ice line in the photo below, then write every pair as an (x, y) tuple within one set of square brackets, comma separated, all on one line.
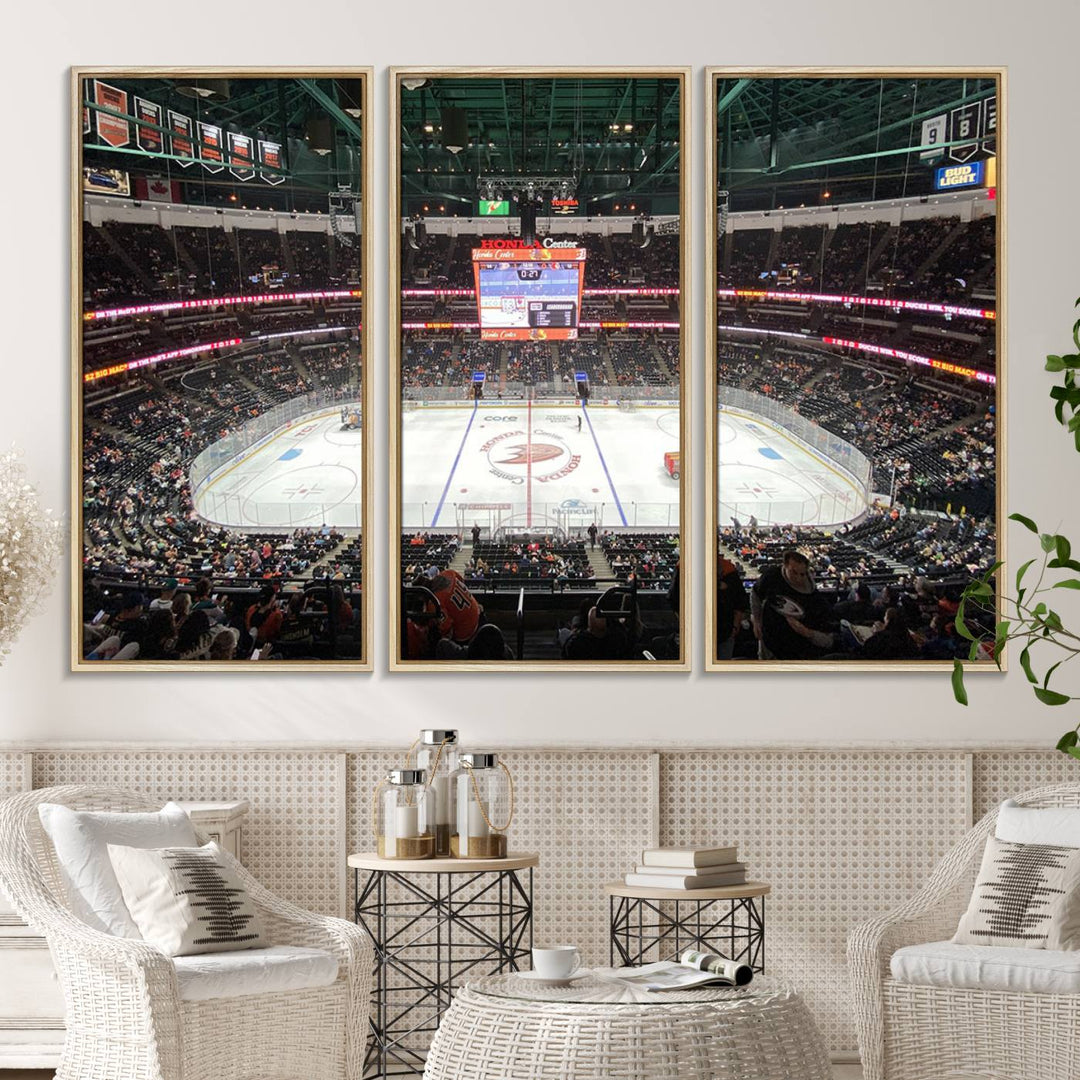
[(453, 468), (603, 463)]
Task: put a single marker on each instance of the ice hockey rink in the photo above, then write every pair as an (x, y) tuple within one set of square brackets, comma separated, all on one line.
[(766, 473), (304, 476), (527, 465)]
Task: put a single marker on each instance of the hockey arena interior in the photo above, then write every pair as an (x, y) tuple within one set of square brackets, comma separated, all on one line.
[(856, 366), (222, 422), (540, 369)]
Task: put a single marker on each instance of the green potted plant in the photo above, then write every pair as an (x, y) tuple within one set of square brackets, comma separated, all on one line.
[(1027, 616)]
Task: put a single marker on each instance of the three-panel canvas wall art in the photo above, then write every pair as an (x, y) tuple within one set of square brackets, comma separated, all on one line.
[(541, 377)]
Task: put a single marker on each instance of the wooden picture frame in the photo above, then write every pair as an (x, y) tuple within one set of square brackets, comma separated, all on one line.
[(725, 87), (285, 138), (418, 96)]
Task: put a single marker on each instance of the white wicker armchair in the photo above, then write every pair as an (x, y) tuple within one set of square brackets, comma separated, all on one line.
[(909, 1032), (124, 1016)]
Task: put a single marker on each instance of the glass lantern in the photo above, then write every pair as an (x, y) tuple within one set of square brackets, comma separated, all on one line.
[(437, 754), (485, 807), (405, 816)]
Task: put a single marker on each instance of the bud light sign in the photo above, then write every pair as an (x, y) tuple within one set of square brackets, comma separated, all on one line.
[(950, 177)]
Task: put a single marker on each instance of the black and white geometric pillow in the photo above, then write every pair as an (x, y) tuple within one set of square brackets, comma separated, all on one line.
[(186, 900), (1026, 895)]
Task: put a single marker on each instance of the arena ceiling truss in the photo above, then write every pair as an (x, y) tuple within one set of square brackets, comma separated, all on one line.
[(618, 138), (784, 142)]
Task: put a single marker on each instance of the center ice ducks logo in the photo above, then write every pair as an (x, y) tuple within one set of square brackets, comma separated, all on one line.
[(513, 456)]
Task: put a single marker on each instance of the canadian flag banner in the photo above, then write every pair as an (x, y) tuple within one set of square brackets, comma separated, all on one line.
[(157, 189)]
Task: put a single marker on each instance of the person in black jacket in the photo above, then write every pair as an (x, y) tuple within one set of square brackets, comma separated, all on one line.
[(732, 606)]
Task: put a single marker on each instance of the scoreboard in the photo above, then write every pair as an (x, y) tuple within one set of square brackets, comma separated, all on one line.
[(530, 294)]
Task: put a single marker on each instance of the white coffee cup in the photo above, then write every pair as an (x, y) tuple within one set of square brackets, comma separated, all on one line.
[(556, 961)]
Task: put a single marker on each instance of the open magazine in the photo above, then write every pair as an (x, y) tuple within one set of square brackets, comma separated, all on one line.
[(692, 970)]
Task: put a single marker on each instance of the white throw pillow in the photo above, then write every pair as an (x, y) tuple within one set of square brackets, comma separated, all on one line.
[(187, 900), (1025, 896), (1058, 825), (80, 839)]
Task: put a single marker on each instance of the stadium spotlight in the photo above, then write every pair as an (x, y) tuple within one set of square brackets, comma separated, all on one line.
[(215, 89), (455, 130), (351, 96), (319, 135)]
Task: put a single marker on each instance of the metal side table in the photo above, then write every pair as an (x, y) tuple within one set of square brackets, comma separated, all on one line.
[(433, 922), (729, 920)]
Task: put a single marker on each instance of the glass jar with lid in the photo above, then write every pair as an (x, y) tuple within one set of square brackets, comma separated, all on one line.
[(437, 754), (405, 816), (485, 807)]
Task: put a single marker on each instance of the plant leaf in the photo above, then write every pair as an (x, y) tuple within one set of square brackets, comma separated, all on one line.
[(1050, 671), (1025, 663), (1048, 541), (1022, 571), (1051, 697), (1070, 738), (959, 692), (959, 623), (1064, 548), (1025, 521), (1074, 751), (1068, 583)]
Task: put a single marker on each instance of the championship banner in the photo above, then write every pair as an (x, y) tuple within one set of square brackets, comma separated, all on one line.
[(965, 125), (111, 129), (148, 138), (181, 129), (240, 154), (270, 155), (933, 135), (210, 147), (989, 131), (85, 120)]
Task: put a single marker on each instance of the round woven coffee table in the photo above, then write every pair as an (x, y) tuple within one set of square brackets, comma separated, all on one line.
[(504, 1027)]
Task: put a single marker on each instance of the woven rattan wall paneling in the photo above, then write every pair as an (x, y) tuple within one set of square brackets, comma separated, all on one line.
[(998, 775), (16, 769), (840, 835), (292, 836)]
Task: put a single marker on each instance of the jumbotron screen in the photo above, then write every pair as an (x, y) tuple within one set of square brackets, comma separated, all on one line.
[(529, 294)]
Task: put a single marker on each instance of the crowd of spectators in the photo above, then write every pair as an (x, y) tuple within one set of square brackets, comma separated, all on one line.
[(529, 362), (138, 514), (538, 562), (183, 262), (886, 589), (650, 559)]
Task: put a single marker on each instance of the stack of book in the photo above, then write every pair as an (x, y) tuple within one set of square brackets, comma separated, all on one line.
[(688, 868)]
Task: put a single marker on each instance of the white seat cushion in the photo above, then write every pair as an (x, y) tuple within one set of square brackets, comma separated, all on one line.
[(253, 971), (988, 967)]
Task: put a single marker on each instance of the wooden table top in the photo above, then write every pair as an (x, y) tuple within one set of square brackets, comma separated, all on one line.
[(516, 860)]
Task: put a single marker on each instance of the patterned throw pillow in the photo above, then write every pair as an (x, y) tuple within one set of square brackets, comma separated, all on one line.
[(1026, 895), (186, 900)]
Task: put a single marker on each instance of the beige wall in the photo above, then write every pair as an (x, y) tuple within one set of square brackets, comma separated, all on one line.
[(41, 701)]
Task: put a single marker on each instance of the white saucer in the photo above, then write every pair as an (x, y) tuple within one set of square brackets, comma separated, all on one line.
[(536, 977)]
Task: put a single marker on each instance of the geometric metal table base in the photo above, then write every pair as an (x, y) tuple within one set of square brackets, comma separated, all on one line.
[(734, 927), (429, 937)]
